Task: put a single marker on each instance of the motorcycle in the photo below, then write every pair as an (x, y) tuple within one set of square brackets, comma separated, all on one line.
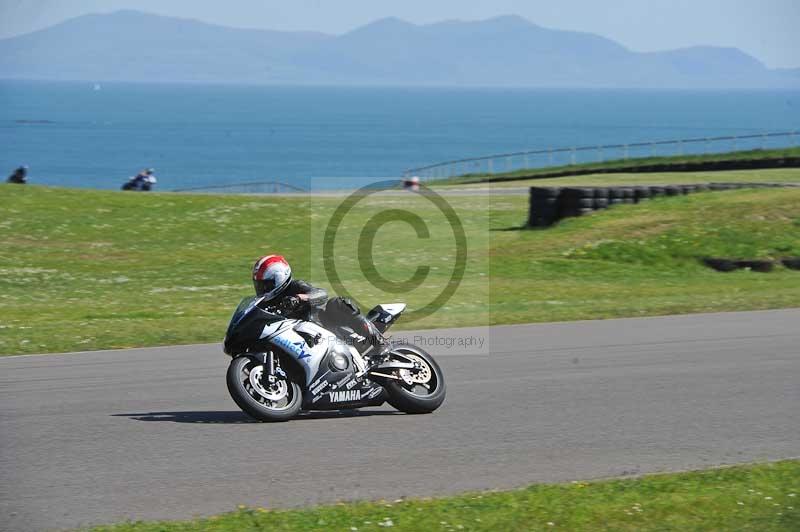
[(284, 366), (140, 184)]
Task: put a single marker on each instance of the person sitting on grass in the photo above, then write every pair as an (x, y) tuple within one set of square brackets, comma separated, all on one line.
[(20, 176), (144, 181)]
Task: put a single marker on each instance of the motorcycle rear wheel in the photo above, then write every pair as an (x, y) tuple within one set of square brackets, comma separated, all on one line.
[(419, 392), (280, 401)]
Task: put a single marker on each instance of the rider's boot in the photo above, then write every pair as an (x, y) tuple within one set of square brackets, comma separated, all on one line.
[(368, 339)]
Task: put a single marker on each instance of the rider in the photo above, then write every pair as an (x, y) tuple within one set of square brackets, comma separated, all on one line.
[(149, 180), (20, 176), (272, 279), (145, 180)]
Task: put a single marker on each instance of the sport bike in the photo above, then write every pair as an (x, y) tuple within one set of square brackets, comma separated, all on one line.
[(282, 366)]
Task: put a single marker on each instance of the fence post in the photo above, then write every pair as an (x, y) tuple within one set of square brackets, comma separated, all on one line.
[(491, 167)]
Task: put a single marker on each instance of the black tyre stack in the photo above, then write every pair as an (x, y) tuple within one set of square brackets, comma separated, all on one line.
[(548, 205), (615, 196), (628, 196), (543, 210), (641, 194), (576, 201), (601, 198)]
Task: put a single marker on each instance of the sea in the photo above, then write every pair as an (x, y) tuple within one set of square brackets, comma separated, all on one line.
[(98, 135)]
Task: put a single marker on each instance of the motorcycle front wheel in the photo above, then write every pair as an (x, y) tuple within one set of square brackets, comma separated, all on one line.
[(280, 400), (418, 391)]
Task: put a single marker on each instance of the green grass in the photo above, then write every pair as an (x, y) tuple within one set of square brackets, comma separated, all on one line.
[(638, 162), (761, 498), (776, 175), (84, 270)]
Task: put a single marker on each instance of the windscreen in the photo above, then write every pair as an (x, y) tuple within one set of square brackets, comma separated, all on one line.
[(245, 306)]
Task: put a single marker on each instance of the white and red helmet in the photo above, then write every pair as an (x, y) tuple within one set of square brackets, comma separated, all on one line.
[(271, 275)]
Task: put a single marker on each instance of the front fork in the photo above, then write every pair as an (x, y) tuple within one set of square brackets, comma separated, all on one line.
[(271, 368)]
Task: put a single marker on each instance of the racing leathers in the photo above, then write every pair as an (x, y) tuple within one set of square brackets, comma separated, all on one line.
[(330, 313)]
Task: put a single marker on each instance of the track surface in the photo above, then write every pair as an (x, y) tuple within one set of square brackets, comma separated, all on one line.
[(102, 437)]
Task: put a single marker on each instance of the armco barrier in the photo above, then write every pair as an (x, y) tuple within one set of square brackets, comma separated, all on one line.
[(544, 158), (689, 166), (548, 205)]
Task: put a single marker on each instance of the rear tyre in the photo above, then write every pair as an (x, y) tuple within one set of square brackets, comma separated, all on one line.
[(417, 392), (278, 401)]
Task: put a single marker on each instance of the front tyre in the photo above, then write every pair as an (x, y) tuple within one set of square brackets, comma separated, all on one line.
[(418, 391), (277, 401)]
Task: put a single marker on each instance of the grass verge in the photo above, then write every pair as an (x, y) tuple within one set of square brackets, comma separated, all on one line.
[(84, 270), (755, 497), (631, 164)]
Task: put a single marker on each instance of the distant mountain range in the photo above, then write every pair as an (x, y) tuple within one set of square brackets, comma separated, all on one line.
[(503, 51)]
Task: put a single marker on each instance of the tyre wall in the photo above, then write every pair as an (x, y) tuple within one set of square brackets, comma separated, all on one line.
[(548, 205)]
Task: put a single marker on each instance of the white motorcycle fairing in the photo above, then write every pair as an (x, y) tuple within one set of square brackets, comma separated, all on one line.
[(285, 334), (326, 386)]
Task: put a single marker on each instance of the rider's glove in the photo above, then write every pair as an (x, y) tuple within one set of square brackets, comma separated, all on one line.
[(290, 304)]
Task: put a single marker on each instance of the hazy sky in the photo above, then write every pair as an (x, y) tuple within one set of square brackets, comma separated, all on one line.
[(767, 29)]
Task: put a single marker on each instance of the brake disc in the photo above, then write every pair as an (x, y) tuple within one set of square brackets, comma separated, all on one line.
[(276, 391), (422, 375)]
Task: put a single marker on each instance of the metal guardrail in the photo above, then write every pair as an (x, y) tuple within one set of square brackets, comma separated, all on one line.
[(257, 187), (542, 158)]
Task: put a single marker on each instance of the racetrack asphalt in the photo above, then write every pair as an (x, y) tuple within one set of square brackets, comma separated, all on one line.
[(102, 437)]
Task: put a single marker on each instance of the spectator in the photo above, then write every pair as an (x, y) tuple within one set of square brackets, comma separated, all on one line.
[(20, 175), (144, 181), (411, 184)]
